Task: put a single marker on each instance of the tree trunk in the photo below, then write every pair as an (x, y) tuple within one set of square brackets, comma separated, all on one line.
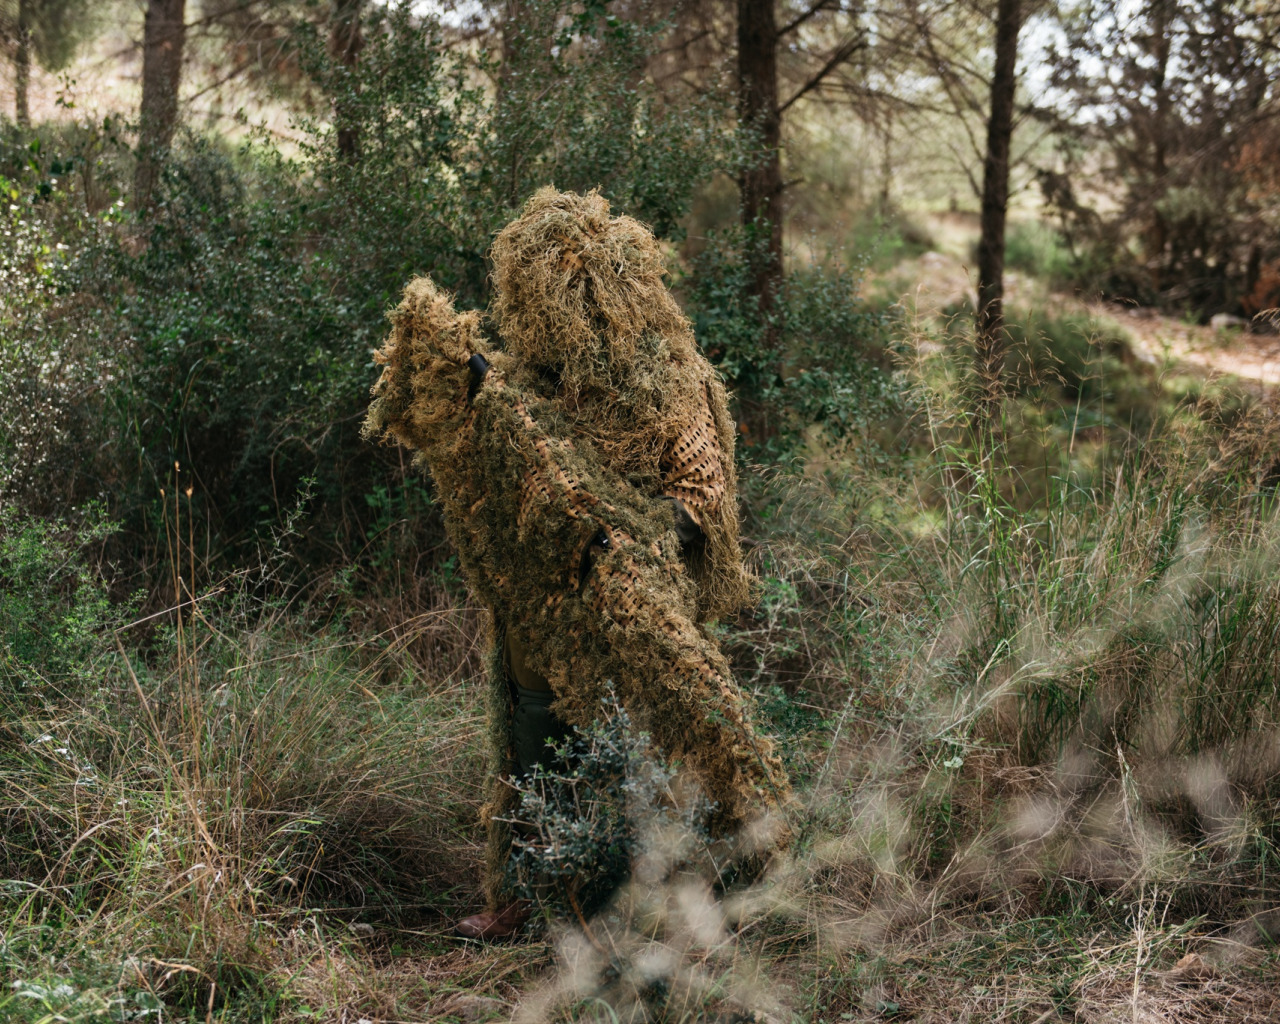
[(989, 354), (163, 39), (507, 103), (22, 68), (1158, 232), (345, 43), (761, 183), (886, 165), (513, 45)]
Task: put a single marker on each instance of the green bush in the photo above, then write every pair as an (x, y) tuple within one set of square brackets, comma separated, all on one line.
[(583, 821), (1036, 249), (837, 356), (830, 364), (53, 604)]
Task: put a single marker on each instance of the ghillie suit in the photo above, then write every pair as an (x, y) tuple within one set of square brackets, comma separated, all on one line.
[(580, 561)]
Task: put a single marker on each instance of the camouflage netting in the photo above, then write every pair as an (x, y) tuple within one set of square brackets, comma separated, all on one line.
[(580, 300), (523, 501)]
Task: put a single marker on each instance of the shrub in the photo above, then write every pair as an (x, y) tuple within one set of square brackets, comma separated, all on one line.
[(582, 822), (53, 605), (1036, 249), (830, 369)]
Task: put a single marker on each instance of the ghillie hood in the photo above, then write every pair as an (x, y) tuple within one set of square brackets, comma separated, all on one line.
[(580, 301), (576, 290)]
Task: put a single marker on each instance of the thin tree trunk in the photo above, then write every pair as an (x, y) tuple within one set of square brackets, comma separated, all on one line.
[(163, 39), (345, 43), (761, 183), (989, 354), (22, 68), (513, 46), (886, 164), (1158, 233)]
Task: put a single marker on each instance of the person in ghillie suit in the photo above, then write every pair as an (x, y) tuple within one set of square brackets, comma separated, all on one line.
[(585, 472)]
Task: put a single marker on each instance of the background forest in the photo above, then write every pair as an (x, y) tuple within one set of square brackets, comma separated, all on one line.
[(994, 285)]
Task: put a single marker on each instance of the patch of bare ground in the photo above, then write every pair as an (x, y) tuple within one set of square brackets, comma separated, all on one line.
[(1225, 349), (938, 283)]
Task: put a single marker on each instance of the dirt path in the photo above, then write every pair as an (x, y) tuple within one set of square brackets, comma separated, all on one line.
[(1224, 351), (937, 282)]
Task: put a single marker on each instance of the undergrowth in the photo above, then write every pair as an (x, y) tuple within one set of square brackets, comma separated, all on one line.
[(1031, 711), (184, 795)]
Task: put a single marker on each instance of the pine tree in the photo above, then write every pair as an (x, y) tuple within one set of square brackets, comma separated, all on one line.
[(45, 31)]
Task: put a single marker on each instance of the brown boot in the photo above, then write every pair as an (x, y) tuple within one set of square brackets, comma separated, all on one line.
[(495, 925)]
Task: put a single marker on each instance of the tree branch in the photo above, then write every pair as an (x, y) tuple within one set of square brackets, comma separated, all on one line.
[(841, 54), (218, 83), (800, 19), (974, 183)]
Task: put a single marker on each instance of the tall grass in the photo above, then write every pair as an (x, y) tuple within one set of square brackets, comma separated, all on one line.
[(1035, 724), (179, 806)]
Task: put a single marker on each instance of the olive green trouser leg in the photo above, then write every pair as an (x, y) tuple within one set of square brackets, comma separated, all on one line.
[(534, 728)]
